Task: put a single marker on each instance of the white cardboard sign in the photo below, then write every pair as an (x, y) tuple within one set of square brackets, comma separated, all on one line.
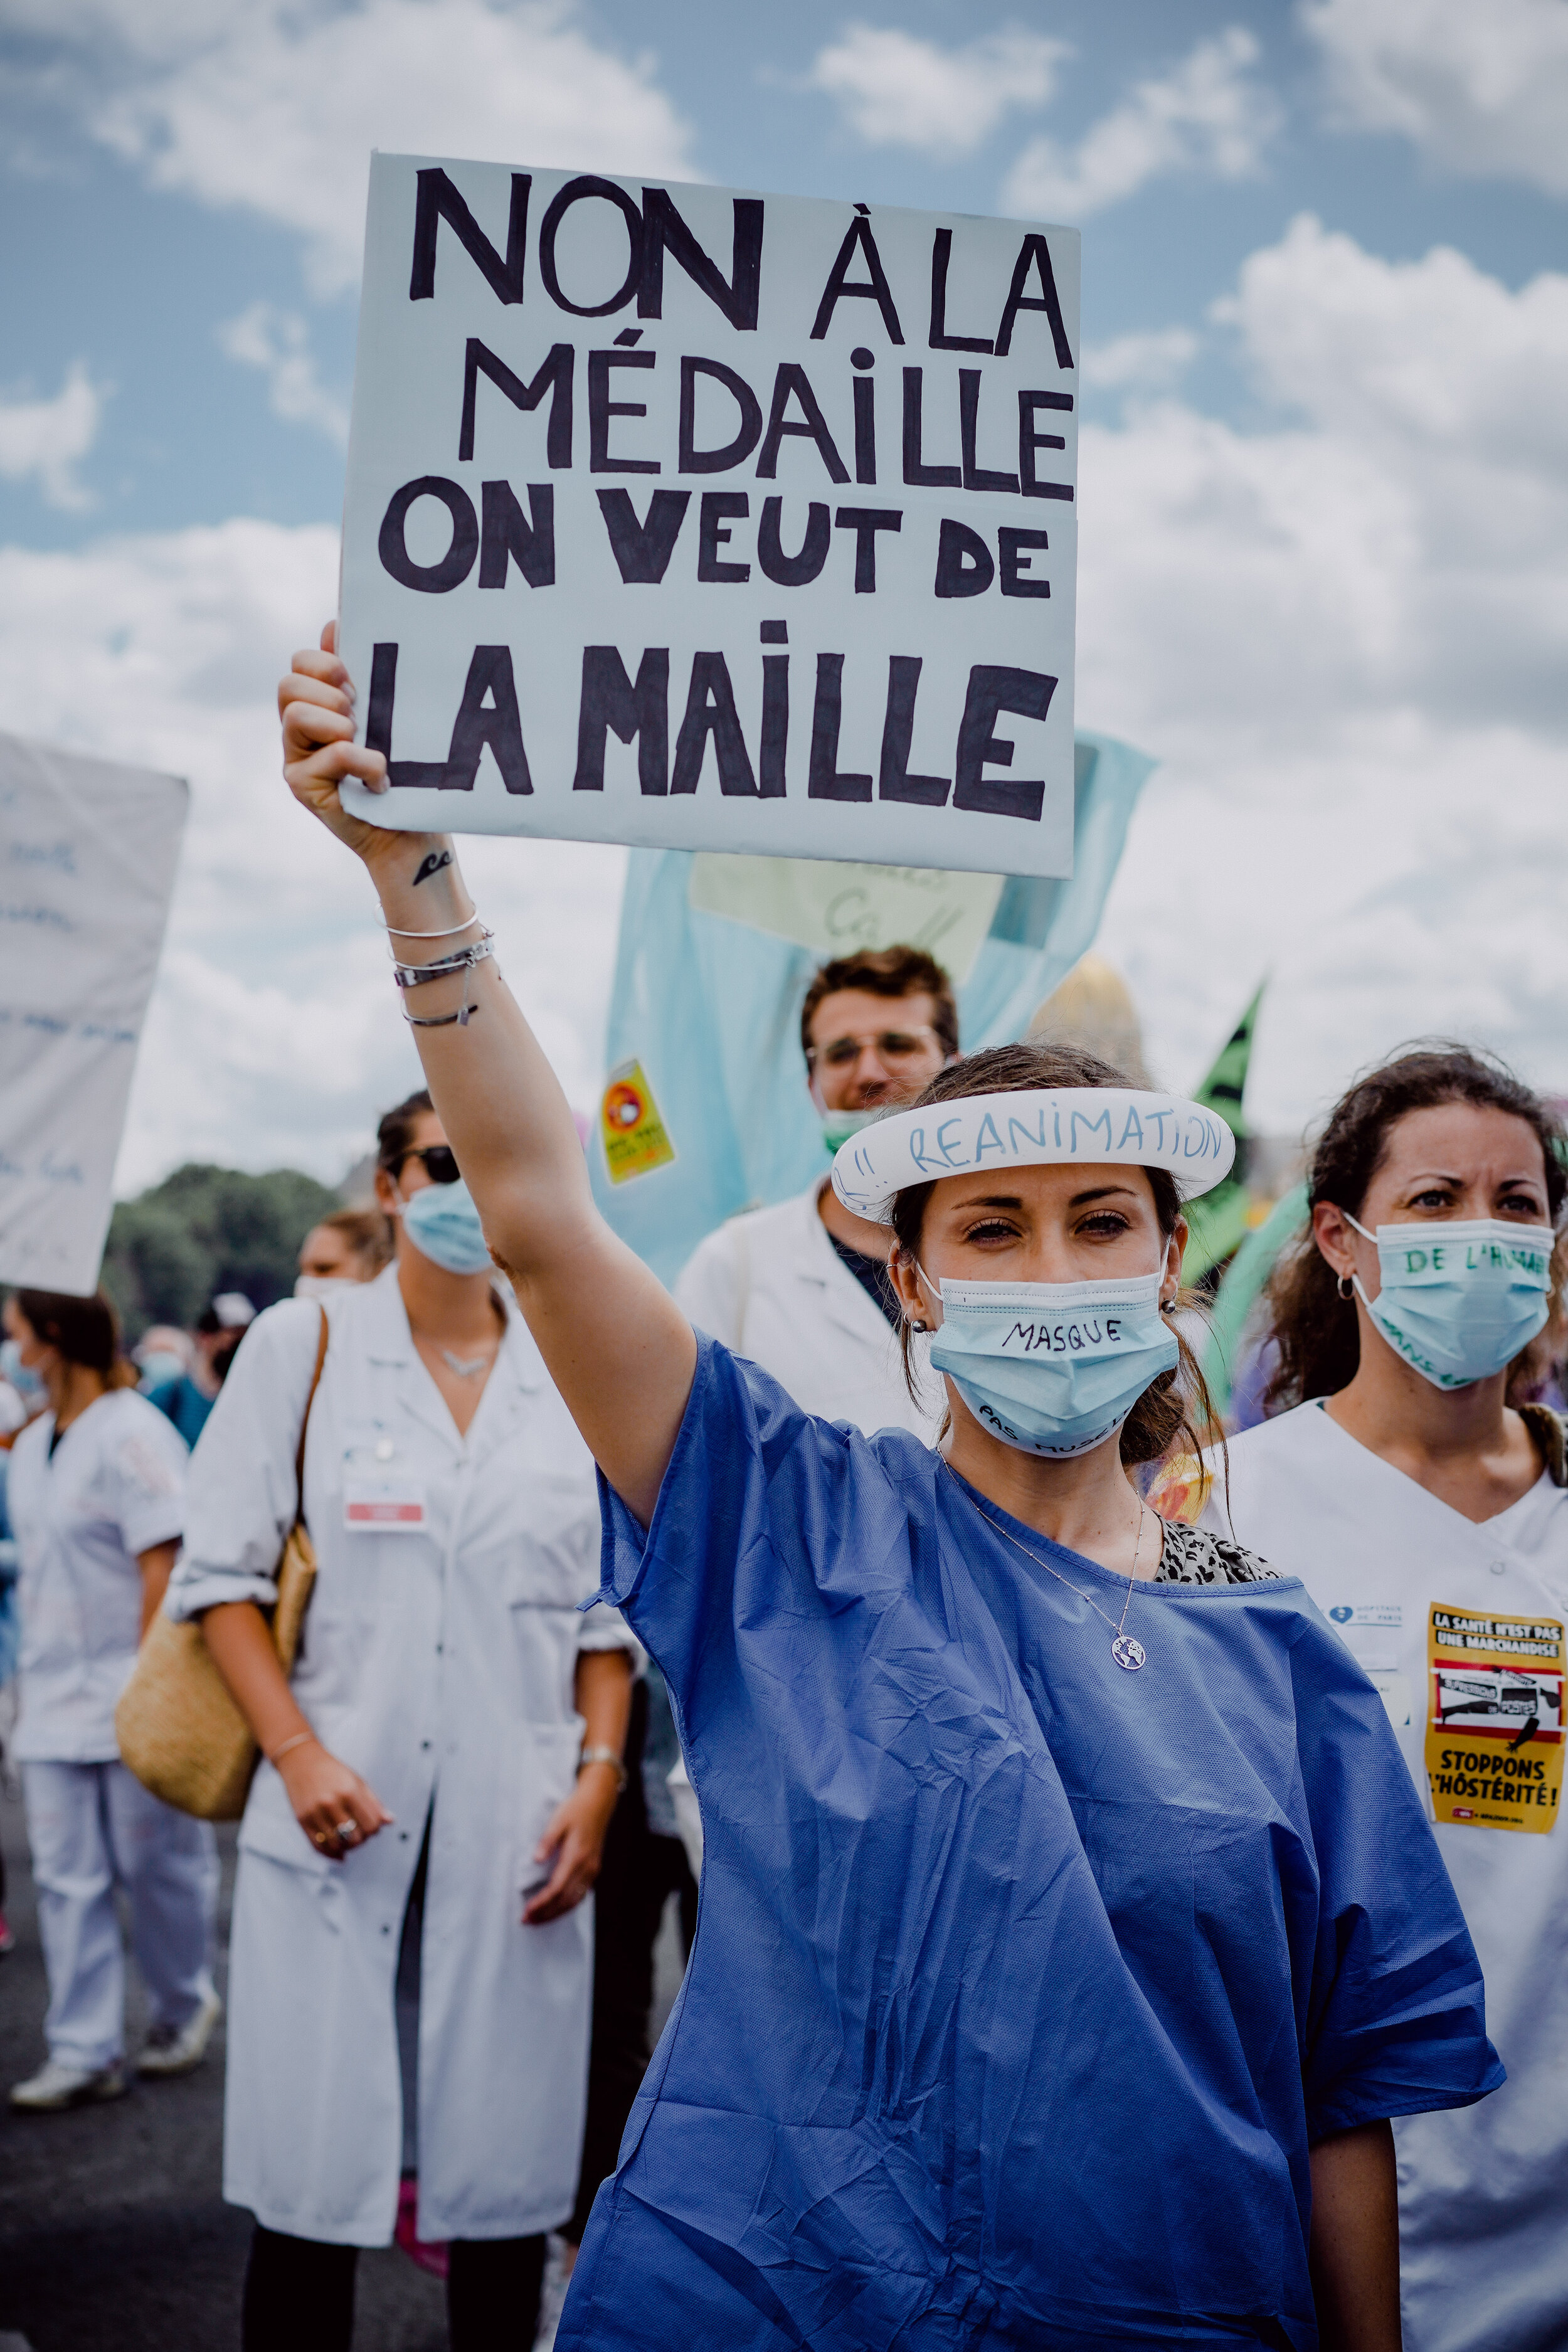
[(700, 519), (87, 853)]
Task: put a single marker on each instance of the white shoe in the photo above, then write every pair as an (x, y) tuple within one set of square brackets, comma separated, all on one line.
[(55, 2086), (176, 2049)]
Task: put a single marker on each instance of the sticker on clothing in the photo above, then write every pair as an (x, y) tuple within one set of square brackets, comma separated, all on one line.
[(1494, 1729)]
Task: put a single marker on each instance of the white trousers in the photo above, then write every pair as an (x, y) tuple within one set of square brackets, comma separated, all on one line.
[(92, 1827)]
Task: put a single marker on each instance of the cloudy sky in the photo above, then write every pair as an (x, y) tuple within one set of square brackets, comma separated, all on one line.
[(1324, 498)]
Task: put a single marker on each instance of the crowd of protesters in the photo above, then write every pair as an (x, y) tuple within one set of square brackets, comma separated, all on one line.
[(436, 2034)]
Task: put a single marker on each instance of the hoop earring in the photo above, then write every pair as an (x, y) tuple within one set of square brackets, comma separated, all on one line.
[(1345, 1288)]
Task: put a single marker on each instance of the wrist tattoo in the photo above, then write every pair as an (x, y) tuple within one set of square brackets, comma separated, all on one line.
[(432, 865)]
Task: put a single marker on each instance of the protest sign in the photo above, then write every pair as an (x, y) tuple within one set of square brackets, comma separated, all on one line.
[(706, 521), (88, 852)]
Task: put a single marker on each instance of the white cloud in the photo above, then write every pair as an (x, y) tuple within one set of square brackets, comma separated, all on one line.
[(1347, 636), (1153, 361), (271, 109), (1209, 115), (1482, 89), (278, 343), (44, 441), (896, 89), (273, 1037)]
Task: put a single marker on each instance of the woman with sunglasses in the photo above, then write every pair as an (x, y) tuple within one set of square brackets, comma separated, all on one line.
[(411, 1953), (1049, 1987)]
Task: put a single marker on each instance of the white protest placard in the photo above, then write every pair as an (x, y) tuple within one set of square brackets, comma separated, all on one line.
[(88, 853), (702, 519)]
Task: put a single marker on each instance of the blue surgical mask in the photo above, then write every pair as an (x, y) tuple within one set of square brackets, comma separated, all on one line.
[(1459, 1300), (1053, 1367), (26, 1382), (443, 1223)]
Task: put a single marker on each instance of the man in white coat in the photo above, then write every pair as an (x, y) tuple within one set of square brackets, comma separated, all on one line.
[(801, 1287)]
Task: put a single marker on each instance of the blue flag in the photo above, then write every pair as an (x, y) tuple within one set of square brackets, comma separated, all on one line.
[(704, 1026)]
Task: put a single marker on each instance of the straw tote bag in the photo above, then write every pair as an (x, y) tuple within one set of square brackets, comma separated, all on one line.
[(178, 1728)]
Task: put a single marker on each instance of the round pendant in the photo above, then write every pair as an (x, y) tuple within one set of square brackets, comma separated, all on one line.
[(1128, 1653)]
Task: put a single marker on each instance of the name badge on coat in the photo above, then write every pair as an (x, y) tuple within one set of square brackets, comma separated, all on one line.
[(381, 1495)]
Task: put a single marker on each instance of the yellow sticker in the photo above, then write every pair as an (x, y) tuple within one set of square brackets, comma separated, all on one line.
[(1494, 1719), (634, 1138)]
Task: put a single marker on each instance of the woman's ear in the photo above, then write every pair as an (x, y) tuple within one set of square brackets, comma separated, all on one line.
[(907, 1287), (1175, 1249), (1335, 1238)]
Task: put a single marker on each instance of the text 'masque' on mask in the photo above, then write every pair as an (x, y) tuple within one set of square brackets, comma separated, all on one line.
[(1053, 1367)]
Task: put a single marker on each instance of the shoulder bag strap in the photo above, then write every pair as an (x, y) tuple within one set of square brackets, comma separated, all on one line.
[(304, 1425)]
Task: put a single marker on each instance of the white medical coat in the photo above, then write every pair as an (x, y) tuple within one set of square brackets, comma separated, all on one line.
[(439, 1664), (115, 1487), (1483, 2192), (771, 1287)]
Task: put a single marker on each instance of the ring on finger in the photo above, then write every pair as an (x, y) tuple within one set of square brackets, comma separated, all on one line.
[(347, 1830)]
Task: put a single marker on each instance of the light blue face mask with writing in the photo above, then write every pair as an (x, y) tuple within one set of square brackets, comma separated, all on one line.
[(1459, 1301), (1053, 1367), (443, 1223)]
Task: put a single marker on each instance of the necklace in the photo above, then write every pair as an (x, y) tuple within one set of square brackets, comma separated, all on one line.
[(1125, 1648), (464, 1365)]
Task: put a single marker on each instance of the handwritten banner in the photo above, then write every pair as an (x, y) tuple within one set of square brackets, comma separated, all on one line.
[(88, 853), (708, 520)]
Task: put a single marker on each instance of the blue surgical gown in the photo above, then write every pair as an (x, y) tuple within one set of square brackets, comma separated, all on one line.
[(1022, 1985)]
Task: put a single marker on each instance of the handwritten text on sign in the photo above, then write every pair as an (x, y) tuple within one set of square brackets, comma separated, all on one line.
[(710, 521)]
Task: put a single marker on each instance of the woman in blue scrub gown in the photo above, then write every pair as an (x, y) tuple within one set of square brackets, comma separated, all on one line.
[(1070, 1928)]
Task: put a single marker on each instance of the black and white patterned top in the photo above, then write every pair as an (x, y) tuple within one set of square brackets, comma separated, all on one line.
[(1192, 1555)]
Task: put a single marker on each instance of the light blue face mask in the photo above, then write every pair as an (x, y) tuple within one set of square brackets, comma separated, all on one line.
[(443, 1223), (1053, 1367), (25, 1382), (1459, 1301)]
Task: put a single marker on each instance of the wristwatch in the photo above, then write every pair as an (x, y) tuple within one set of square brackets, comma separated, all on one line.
[(606, 1756)]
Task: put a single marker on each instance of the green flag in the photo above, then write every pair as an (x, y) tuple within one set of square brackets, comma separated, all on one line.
[(1225, 1084), (1218, 1221)]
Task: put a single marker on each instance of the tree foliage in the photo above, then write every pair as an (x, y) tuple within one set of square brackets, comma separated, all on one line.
[(207, 1229)]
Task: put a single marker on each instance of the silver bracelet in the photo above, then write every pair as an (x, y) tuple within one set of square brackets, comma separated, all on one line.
[(415, 975), (461, 959), (604, 1756), (398, 932)]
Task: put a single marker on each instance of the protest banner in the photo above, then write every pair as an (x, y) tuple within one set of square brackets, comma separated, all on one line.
[(706, 521), (88, 853)]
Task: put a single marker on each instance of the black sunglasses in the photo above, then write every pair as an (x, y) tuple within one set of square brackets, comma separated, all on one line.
[(440, 1165)]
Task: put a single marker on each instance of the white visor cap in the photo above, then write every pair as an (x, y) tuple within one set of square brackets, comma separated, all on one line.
[(1033, 1127)]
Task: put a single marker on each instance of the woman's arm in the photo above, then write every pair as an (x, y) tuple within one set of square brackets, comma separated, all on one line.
[(575, 1838), (617, 1345), (1355, 2246), (323, 1791), (157, 1566)]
